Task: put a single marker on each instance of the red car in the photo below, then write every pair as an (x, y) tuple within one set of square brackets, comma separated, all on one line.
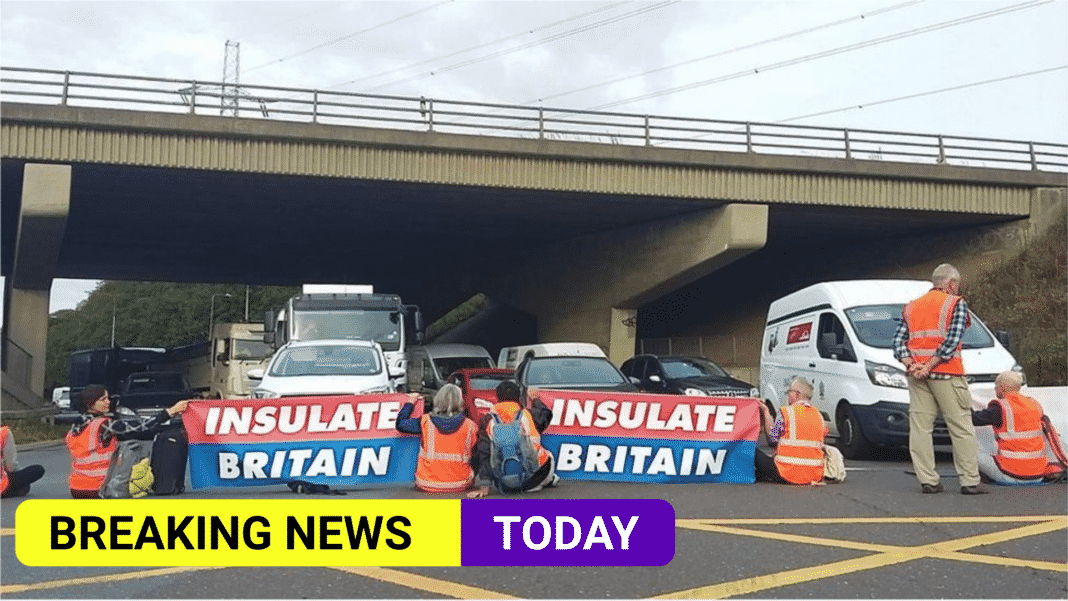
[(478, 385)]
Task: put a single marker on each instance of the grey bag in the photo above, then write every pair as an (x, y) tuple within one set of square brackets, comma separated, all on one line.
[(117, 481)]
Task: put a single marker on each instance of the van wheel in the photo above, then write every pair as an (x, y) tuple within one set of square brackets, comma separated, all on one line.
[(851, 440), (771, 407)]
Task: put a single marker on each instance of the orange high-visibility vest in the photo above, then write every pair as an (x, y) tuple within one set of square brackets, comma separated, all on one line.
[(928, 320), (89, 459), (507, 411), (1021, 444), (799, 454), (444, 459), (3, 467)]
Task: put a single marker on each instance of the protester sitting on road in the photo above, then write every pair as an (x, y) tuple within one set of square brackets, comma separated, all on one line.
[(93, 439), (1021, 436), (508, 453), (446, 437), (14, 482), (797, 435)]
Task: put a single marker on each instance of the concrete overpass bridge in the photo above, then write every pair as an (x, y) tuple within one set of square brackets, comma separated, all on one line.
[(603, 226)]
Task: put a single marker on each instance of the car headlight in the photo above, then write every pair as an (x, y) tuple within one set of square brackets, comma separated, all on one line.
[(262, 393), (886, 375), (1019, 369), (694, 392)]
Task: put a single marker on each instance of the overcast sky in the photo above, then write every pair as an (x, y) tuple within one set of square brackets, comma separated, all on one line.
[(987, 69)]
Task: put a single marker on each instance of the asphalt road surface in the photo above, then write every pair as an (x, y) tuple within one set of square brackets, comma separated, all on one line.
[(872, 537)]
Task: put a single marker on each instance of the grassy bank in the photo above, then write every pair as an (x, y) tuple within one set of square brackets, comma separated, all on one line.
[(33, 429)]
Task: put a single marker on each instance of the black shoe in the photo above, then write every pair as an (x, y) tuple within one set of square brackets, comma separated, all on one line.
[(973, 490), (930, 489)]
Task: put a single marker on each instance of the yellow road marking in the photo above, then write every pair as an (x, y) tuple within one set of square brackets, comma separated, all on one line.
[(7, 532), (883, 520), (101, 579), (890, 555), (424, 583)]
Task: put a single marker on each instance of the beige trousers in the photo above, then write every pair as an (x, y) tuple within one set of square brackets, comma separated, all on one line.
[(928, 398)]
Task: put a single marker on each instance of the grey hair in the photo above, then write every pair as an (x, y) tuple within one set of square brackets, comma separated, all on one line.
[(944, 273), (448, 401), (803, 386), (1009, 380)]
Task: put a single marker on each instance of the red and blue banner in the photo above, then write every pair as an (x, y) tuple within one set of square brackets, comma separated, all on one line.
[(347, 441), (338, 440), (652, 437)]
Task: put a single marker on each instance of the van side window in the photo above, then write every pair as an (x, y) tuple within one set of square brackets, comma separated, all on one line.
[(831, 340)]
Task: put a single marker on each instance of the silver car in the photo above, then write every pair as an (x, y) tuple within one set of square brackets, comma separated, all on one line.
[(323, 368)]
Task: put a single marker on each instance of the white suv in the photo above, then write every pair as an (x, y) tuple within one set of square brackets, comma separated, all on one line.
[(323, 368)]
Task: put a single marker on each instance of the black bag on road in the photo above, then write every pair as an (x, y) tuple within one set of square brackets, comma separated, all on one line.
[(169, 453)]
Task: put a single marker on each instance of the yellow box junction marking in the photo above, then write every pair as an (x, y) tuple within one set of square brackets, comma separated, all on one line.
[(885, 555)]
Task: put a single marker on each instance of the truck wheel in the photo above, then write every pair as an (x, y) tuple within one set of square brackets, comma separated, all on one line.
[(851, 439)]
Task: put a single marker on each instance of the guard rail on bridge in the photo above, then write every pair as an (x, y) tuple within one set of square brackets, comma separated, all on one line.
[(73, 88)]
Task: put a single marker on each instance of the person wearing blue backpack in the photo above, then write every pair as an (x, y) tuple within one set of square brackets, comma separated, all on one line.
[(508, 453)]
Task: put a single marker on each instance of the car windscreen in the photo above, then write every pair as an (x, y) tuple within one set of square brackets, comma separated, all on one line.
[(691, 368), (251, 349), (875, 326), (569, 371), (488, 381), (328, 360), (447, 365), (382, 326)]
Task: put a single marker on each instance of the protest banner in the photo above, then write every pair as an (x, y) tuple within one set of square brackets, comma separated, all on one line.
[(632, 437), (336, 440)]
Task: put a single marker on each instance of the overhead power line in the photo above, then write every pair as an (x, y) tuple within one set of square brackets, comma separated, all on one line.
[(827, 53), (854, 107), (349, 36), (525, 32), (545, 40), (779, 38)]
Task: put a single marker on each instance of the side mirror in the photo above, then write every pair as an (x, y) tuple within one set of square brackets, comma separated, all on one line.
[(634, 380), (655, 379), (268, 338), (1003, 337), (255, 374)]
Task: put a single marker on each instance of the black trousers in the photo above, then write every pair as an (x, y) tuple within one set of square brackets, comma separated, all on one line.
[(19, 481), (766, 470)]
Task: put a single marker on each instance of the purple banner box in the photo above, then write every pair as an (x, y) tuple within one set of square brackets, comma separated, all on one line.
[(566, 532)]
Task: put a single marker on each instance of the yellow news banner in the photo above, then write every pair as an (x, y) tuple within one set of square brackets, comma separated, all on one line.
[(226, 532)]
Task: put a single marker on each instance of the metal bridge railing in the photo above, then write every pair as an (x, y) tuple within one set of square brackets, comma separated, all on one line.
[(74, 88)]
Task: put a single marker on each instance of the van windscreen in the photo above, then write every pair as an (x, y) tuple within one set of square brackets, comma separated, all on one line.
[(875, 326)]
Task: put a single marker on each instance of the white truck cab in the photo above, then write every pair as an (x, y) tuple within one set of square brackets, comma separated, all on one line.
[(839, 336), (511, 356)]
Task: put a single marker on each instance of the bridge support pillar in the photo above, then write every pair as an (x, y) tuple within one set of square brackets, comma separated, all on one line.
[(42, 222), (590, 288)]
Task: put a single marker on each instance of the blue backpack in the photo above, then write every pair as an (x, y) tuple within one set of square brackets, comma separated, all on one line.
[(513, 459)]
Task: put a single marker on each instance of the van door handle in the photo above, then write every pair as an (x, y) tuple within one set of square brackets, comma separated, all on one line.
[(813, 365)]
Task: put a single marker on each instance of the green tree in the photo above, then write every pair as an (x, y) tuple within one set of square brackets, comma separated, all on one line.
[(151, 314)]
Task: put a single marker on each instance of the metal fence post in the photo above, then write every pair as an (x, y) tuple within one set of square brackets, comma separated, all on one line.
[(66, 87), (941, 150), (541, 123), (748, 137), (193, 98), (849, 151), (648, 139), (1034, 159), (315, 106)]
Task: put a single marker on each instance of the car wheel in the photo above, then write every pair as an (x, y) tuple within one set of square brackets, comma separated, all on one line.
[(851, 439)]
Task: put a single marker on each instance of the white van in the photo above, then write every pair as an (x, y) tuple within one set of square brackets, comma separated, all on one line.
[(839, 336), (511, 356), (430, 365)]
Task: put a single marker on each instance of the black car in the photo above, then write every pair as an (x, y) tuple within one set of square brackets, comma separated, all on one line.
[(595, 374), (693, 376)]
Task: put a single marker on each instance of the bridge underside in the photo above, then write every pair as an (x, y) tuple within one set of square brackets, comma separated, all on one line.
[(142, 223)]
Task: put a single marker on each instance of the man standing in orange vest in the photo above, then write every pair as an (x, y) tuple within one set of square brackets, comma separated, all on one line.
[(928, 343), (797, 436), (1017, 420)]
